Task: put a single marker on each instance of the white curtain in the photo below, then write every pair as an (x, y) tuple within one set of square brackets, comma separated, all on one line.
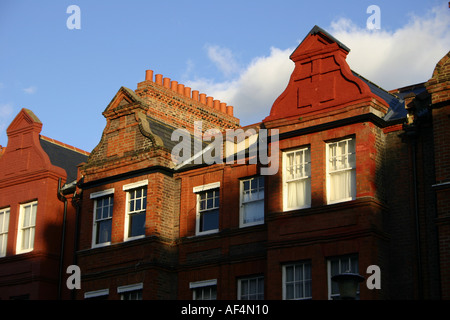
[(342, 185), (298, 172), (342, 162), (298, 193)]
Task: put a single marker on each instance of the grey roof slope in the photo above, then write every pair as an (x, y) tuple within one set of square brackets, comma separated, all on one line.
[(396, 104), (63, 158), (162, 130)]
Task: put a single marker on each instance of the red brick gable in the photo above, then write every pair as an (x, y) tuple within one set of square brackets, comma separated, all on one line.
[(24, 154), (321, 81)]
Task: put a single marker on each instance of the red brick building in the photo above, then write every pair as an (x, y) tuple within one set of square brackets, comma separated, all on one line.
[(361, 179), (37, 219)]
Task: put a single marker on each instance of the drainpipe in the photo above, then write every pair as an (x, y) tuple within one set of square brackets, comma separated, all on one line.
[(63, 236), (412, 133), (416, 212), (76, 204)]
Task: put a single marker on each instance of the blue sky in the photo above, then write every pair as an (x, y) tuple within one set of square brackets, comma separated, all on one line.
[(236, 51)]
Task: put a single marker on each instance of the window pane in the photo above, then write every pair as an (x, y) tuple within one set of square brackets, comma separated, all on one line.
[(104, 231), (209, 220), (289, 291), (132, 295), (253, 211), (244, 288), (4, 221), (298, 193), (25, 238), (26, 216), (290, 273), (137, 224), (342, 185), (138, 204), (297, 281)]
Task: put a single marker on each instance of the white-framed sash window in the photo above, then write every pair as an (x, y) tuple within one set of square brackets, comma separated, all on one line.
[(251, 288), (341, 170), (27, 227), (204, 290), (131, 292), (297, 179), (207, 220), (338, 265), (252, 201), (4, 226), (297, 281), (136, 209)]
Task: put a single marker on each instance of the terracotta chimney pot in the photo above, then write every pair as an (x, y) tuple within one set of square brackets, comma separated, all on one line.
[(159, 79), (149, 75), (195, 95), (166, 83), (209, 101)]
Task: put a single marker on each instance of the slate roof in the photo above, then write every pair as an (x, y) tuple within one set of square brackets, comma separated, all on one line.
[(162, 130), (63, 157), (396, 103)]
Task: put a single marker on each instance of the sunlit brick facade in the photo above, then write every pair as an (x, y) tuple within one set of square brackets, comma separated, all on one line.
[(361, 180), (353, 189), (37, 219)]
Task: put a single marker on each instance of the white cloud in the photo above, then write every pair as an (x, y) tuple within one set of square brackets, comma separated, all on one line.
[(253, 92), (393, 59), (30, 90), (223, 59)]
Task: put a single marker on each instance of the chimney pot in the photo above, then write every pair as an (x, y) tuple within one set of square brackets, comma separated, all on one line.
[(209, 101), (223, 107), (149, 75), (166, 83), (174, 85), (159, 79), (187, 92), (181, 89), (203, 98), (230, 110), (195, 95), (217, 104)]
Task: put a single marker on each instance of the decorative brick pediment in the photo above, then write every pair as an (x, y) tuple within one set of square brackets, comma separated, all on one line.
[(25, 120), (123, 102), (24, 154), (321, 81)]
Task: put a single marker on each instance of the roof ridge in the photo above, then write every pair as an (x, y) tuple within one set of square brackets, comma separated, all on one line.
[(65, 145)]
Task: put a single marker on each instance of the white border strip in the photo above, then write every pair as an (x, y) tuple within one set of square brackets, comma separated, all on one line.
[(205, 187), (101, 193), (135, 185)]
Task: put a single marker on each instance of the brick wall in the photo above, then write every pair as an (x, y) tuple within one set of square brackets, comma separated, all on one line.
[(439, 88), (176, 105)]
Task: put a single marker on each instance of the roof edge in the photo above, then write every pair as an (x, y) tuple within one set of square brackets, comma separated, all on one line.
[(64, 145)]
